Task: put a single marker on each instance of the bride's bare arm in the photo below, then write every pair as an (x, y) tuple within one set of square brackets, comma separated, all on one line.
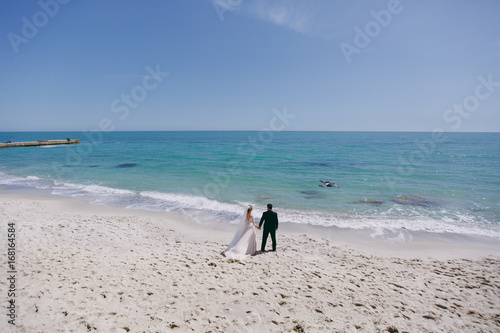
[(253, 221)]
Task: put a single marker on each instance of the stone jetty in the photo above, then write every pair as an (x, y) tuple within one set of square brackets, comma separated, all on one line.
[(38, 143)]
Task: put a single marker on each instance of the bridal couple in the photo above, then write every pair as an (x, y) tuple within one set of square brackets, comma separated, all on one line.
[(245, 240)]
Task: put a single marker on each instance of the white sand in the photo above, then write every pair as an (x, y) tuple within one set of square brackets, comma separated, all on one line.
[(86, 268)]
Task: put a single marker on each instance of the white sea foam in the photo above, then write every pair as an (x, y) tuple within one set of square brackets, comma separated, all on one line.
[(10, 179), (29, 181), (80, 190), (185, 201), (200, 209), (392, 225)]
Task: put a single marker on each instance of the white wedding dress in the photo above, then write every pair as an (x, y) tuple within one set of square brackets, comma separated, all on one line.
[(244, 242)]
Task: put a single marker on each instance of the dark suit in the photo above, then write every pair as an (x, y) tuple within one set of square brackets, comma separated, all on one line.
[(270, 226)]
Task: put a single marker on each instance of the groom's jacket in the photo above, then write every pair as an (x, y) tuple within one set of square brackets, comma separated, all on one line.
[(271, 220)]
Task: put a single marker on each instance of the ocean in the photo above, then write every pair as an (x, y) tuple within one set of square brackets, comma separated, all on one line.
[(390, 183)]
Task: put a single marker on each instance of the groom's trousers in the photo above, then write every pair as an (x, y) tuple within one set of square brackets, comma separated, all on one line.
[(265, 234)]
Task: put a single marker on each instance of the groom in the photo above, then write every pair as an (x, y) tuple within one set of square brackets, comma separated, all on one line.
[(270, 226)]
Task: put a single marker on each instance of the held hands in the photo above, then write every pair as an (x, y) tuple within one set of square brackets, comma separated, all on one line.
[(256, 224)]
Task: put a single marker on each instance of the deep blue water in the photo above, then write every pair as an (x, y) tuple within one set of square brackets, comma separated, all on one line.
[(444, 184)]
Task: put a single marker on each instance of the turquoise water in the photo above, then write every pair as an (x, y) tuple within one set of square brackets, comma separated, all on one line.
[(448, 183)]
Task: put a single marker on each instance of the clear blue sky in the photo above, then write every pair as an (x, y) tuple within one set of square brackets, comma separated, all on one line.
[(67, 66)]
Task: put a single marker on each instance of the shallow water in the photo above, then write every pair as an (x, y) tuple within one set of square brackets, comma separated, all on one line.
[(388, 181)]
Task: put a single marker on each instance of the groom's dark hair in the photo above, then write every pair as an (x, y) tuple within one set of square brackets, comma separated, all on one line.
[(270, 206)]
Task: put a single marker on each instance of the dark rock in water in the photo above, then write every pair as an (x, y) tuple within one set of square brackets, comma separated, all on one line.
[(266, 197), (93, 166), (312, 194), (309, 192), (318, 164), (126, 165), (315, 196), (414, 200), (368, 201)]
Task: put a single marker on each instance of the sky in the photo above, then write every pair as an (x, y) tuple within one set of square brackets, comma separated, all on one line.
[(322, 65)]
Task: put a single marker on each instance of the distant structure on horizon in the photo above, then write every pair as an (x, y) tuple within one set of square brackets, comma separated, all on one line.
[(68, 141)]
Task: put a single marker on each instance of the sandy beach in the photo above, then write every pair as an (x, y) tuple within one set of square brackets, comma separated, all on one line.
[(86, 268)]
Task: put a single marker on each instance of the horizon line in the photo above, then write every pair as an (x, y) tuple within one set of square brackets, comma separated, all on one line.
[(223, 130)]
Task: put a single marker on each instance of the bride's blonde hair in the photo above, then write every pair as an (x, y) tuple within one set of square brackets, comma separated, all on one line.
[(250, 208)]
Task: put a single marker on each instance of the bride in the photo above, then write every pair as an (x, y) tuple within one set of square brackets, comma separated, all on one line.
[(244, 241)]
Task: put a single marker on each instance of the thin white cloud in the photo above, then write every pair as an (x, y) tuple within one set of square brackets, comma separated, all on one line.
[(291, 14), (318, 18)]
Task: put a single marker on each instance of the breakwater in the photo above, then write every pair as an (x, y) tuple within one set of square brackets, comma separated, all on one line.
[(38, 143)]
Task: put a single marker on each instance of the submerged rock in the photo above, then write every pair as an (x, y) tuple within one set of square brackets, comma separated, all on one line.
[(312, 194), (318, 164), (368, 201), (266, 197), (414, 200), (126, 165), (309, 192)]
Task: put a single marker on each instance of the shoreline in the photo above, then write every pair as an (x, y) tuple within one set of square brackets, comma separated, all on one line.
[(403, 243), (84, 267), (440, 218)]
